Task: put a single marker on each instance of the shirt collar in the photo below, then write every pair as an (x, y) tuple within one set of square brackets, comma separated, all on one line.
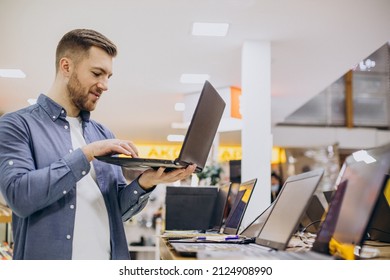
[(54, 110)]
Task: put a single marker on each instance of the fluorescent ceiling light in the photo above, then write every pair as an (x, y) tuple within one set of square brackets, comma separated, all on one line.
[(194, 78), (180, 107), (209, 29), (175, 138), (12, 73)]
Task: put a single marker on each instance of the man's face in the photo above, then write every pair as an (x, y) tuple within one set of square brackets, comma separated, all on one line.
[(89, 79)]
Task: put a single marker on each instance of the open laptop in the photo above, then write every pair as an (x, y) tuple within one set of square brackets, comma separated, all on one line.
[(312, 217), (379, 227), (197, 142), (220, 208), (232, 224), (283, 218)]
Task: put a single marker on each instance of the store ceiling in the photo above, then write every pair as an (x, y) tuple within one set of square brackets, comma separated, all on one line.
[(313, 43)]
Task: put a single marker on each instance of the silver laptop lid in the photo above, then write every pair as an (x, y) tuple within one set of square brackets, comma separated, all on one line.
[(288, 209)]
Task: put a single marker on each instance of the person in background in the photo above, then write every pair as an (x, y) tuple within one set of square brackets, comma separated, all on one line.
[(65, 203), (276, 184)]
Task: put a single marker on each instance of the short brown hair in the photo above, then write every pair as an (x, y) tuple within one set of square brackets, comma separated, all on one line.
[(76, 44)]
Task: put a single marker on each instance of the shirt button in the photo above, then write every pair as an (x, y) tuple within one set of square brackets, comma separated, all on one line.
[(71, 206), (70, 150), (62, 111), (135, 192), (66, 127), (68, 237), (11, 162), (54, 117), (64, 192), (83, 173)]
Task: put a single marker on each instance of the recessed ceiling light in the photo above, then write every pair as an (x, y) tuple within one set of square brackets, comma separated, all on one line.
[(12, 73), (209, 29), (175, 138), (194, 78), (180, 107)]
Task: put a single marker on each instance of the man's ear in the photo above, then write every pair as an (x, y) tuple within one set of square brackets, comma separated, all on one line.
[(65, 66)]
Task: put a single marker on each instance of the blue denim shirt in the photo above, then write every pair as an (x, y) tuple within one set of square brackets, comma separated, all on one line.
[(38, 176)]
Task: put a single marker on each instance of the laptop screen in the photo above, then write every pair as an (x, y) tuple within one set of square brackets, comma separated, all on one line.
[(328, 224), (220, 207), (365, 171), (239, 206), (379, 227), (203, 127), (288, 209)]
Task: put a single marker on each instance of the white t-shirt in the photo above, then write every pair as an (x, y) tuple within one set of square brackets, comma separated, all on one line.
[(91, 237)]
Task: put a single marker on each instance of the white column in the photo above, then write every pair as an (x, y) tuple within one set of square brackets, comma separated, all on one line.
[(256, 138)]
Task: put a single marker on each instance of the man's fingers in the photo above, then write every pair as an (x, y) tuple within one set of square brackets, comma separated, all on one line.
[(128, 148)]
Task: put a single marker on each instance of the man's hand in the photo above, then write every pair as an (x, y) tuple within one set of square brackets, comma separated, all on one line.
[(152, 177), (109, 147)]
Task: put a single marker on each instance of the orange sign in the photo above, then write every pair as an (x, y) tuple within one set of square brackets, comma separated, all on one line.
[(235, 99)]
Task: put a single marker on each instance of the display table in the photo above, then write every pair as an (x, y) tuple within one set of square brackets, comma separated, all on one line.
[(168, 253)]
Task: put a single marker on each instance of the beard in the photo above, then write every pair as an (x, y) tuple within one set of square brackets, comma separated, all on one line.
[(79, 95)]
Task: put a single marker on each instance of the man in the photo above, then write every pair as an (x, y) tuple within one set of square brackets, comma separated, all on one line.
[(66, 204)]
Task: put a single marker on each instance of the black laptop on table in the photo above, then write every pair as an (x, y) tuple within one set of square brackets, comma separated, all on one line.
[(197, 142)]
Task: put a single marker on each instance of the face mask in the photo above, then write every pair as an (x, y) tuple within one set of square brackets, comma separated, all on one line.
[(274, 188)]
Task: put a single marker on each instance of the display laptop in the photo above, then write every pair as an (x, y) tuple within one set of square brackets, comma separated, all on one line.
[(197, 142), (290, 205), (284, 216), (365, 171), (379, 227), (312, 217), (233, 220), (220, 208), (237, 211)]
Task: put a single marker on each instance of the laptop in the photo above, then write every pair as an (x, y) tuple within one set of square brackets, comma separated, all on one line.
[(312, 217), (328, 226), (220, 208), (197, 142), (283, 218), (290, 205), (365, 171), (379, 227), (231, 226), (238, 207)]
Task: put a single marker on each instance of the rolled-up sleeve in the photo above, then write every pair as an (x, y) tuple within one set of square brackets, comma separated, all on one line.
[(133, 199)]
